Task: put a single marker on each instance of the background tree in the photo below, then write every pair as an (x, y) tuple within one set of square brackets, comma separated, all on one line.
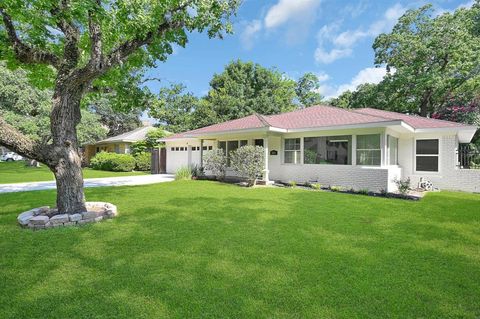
[(117, 121), (365, 95), (244, 88), (433, 58), (174, 108), (27, 108), (307, 90), (79, 45)]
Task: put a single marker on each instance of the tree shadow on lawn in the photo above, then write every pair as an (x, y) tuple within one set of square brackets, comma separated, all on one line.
[(214, 255)]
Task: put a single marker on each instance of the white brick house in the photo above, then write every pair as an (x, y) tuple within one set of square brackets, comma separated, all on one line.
[(360, 149)]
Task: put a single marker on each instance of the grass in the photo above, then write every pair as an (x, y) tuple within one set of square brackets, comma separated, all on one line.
[(193, 249), (17, 172)]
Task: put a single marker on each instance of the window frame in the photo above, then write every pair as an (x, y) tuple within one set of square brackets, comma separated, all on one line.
[(349, 140), (226, 150), (388, 160), (300, 151), (415, 155), (369, 149)]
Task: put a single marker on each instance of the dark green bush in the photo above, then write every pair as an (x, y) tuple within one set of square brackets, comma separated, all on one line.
[(113, 162), (143, 161)]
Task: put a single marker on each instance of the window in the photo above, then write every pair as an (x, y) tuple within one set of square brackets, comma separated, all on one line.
[(243, 143), (117, 148), (210, 148), (177, 149), (223, 146), (327, 150), (172, 149), (427, 155), (292, 151), (392, 143), (368, 150), (259, 142)]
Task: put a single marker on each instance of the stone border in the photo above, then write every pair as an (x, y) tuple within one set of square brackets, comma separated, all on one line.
[(46, 217)]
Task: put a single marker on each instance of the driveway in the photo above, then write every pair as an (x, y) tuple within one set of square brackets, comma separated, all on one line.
[(90, 182)]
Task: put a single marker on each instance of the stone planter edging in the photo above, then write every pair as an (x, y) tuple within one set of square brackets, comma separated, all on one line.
[(46, 217)]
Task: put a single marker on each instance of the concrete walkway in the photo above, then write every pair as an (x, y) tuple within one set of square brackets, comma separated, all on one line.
[(90, 182)]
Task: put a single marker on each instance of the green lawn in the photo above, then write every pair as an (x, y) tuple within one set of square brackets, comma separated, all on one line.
[(201, 249), (17, 172)]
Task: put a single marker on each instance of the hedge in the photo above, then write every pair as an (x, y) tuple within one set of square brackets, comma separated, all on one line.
[(143, 161), (113, 162)]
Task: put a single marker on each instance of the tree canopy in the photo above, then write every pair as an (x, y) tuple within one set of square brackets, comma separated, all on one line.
[(429, 59), (307, 90)]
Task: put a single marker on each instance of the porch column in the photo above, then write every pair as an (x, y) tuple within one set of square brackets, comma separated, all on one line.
[(354, 150), (201, 153), (266, 171)]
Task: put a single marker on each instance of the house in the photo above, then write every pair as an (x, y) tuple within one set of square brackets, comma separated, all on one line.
[(119, 144), (361, 149)]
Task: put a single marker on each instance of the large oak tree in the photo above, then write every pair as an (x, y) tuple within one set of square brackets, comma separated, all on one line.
[(80, 45)]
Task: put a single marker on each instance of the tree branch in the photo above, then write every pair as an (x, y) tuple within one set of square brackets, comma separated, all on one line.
[(24, 52), (95, 33), (72, 34), (11, 138)]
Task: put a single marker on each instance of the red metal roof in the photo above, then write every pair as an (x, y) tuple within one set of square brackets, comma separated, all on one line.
[(415, 121), (318, 116)]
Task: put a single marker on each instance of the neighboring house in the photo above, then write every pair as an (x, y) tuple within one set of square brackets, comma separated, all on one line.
[(119, 144), (360, 149)]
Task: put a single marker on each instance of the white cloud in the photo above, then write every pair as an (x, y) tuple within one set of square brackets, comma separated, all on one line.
[(326, 57), (367, 75), (344, 42), (287, 10), (250, 33), (322, 76)]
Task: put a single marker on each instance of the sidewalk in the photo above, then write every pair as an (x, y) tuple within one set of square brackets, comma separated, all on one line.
[(90, 182)]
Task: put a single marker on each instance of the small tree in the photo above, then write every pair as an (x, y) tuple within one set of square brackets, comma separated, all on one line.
[(249, 162), (215, 161)]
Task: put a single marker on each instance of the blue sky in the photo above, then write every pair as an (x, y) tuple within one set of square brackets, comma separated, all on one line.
[(331, 38)]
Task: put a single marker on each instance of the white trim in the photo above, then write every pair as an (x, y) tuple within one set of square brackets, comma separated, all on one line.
[(339, 127)]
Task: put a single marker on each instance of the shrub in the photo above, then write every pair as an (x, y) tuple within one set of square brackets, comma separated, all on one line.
[(143, 161), (183, 173), (216, 162), (197, 171), (113, 162), (403, 185), (292, 184), (363, 191), (316, 186), (248, 161), (336, 188)]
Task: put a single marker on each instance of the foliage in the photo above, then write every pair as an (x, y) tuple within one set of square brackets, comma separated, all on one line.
[(403, 185), (307, 90), (249, 162), (117, 120), (244, 88), (336, 188), (365, 95), (174, 108), (183, 173), (27, 108), (143, 161), (197, 171), (363, 191), (429, 58), (150, 141), (292, 184), (459, 111), (106, 161), (215, 161), (316, 186)]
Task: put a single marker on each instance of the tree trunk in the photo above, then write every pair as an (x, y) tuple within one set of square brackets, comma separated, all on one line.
[(66, 164)]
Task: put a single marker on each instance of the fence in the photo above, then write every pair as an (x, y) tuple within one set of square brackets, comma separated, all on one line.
[(468, 157)]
